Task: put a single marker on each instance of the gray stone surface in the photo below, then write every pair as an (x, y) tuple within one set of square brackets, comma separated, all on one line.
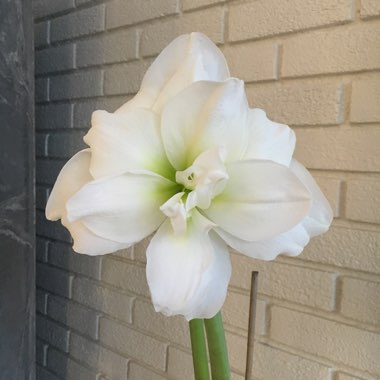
[(17, 300)]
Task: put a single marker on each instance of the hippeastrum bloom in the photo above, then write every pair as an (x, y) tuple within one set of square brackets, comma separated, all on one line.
[(189, 159)]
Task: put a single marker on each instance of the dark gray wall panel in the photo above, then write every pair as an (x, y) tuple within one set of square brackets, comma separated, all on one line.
[(17, 257)]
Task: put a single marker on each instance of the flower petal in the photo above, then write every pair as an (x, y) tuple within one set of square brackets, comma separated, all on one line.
[(320, 216), (123, 208), (188, 274), (207, 178), (269, 140), (189, 58), (87, 242), (72, 177), (295, 240), (261, 200), (290, 243), (175, 210), (124, 141), (203, 116)]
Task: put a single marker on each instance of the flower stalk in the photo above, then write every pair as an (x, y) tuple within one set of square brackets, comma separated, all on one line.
[(220, 368), (199, 349)]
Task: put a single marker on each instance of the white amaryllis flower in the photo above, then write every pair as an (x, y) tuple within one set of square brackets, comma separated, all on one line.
[(187, 157)]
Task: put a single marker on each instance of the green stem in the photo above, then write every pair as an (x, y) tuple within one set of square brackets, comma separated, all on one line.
[(217, 347), (198, 346)]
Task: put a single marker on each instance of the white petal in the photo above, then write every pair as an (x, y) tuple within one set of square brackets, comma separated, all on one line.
[(124, 141), (203, 116), (290, 243), (261, 200), (188, 274), (206, 177), (72, 177), (269, 140), (295, 240), (87, 242), (175, 210), (123, 208), (320, 216), (189, 58)]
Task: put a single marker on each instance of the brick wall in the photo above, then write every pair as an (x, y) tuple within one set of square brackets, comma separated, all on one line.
[(311, 64)]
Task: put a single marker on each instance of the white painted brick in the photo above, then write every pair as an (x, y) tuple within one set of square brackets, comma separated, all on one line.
[(344, 376), (124, 253), (126, 276), (42, 8), (53, 116), (136, 372), (41, 198), (62, 256), (297, 101), (347, 248), (42, 249), (54, 59), (77, 24), (308, 102), (91, 294), (77, 85), (369, 8), (173, 329), (331, 188), (81, 2), (235, 312), (116, 47), (139, 250), (328, 339), (193, 4), (296, 284), (237, 351), (156, 36), (120, 12), (49, 229), (41, 301), (257, 19), (44, 374), (354, 149), (350, 48), (54, 280), (124, 78), (97, 357), (52, 333), (360, 300), (67, 368), (253, 61), (271, 363), (42, 33), (41, 89), (84, 109), (41, 351), (47, 171), (41, 140), (180, 364), (133, 344), (363, 200), (365, 100), (73, 315), (65, 145)]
